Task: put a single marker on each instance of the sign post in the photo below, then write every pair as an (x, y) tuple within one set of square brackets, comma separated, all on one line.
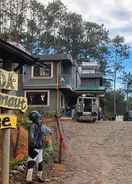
[(6, 156), (10, 122), (8, 82)]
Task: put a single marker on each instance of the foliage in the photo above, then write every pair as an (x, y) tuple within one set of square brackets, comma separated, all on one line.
[(118, 53), (52, 26), (48, 152), (108, 104), (38, 27), (127, 87), (15, 163), (94, 40), (125, 117), (49, 114), (129, 102), (127, 82)]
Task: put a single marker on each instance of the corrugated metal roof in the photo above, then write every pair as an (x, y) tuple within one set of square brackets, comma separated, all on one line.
[(56, 57), (9, 51)]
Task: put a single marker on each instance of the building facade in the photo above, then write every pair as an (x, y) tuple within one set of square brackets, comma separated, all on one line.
[(91, 82), (55, 84), (48, 86)]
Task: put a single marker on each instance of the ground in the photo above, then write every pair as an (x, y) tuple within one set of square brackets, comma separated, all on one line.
[(96, 153)]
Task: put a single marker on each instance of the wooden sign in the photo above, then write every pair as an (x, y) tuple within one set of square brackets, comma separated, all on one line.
[(13, 102), (7, 121), (8, 80)]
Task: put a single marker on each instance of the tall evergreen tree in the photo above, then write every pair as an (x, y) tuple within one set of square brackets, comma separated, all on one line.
[(119, 51), (127, 86)]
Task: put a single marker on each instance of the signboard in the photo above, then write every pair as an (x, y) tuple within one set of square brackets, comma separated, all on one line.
[(8, 80), (7, 121), (13, 102)]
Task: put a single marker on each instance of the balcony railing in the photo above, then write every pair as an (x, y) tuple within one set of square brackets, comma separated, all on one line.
[(67, 81), (91, 75)]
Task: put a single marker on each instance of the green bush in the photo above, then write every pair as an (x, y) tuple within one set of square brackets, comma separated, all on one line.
[(14, 163), (109, 116), (49, 114), (125, 117)]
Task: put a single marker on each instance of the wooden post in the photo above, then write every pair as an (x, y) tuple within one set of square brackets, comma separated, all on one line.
[(60, 140), (58, 90), (6, 156), (6, 144)]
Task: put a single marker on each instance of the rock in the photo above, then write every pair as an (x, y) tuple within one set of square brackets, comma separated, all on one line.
[(21, 168), (59, 167), (47, 180), (14, 172)]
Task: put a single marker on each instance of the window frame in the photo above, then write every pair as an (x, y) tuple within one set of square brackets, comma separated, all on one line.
[(48, 96), (62, 101), (42, 77)]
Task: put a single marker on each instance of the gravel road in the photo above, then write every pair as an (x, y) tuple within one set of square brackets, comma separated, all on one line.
[(98, 153)]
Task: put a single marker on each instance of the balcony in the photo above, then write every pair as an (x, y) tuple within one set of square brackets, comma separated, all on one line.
[(91, 75), (67, 81)]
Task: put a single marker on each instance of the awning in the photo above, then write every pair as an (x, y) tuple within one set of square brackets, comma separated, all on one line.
[(91, 89)]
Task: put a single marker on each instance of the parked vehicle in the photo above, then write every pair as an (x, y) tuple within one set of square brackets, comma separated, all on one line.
[(86, 109)]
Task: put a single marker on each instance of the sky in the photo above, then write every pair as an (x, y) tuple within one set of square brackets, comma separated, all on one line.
[(116, 15)]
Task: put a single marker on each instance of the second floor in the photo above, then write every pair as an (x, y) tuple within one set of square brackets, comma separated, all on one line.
[(52, 71), (90, 75), (90, 70), (61, 71)]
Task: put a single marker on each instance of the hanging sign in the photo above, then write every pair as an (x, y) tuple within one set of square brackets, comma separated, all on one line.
[(8, 80), (13, 102), (7, 121)]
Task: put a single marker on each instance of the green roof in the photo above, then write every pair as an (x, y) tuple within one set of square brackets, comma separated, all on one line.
[(91, 89)]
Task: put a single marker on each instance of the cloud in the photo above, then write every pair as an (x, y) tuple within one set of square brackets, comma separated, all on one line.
[(121, 14), (116, 15)]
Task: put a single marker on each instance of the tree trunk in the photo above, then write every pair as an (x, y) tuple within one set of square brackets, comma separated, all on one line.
[(115, 94)]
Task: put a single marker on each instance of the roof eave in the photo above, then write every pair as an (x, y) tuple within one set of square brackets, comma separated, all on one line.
[(15, 53)]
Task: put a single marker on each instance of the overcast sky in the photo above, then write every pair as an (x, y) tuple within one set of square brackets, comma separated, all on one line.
[(116, 15)]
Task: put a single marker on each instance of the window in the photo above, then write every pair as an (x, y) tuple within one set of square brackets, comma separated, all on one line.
[(43, 72), (88, 71), (62, 101), (38, 98)]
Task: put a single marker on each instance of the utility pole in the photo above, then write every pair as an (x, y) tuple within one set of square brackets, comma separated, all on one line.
[(115, 93)]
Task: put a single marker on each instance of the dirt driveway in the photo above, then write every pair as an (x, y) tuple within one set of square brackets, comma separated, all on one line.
[(99, 153)]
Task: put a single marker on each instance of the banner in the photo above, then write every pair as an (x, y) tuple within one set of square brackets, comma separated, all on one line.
[(7, 121), (8, 80), (13, 102)]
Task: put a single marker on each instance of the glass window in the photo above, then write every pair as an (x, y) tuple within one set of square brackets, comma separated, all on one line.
[(37, 98), (45, 71), (62, 101), (88, 71)]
